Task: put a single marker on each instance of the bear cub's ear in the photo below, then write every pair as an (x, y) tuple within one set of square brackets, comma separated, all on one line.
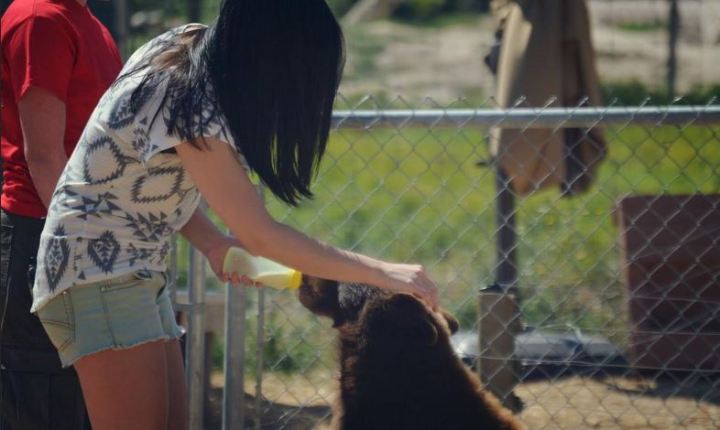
[(452, 323), (401, 319)]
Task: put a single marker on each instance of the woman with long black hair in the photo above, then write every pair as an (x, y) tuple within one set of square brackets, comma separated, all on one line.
[(193, 112)]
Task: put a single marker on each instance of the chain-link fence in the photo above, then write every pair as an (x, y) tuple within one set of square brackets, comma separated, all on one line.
[(615, 320)]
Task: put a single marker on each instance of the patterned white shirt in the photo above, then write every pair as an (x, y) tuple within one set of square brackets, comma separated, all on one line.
[(120, 197)]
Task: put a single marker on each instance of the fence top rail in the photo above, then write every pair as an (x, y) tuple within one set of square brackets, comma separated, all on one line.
[(524, 118)]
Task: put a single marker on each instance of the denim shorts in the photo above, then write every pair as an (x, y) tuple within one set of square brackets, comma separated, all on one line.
[(117, 313)]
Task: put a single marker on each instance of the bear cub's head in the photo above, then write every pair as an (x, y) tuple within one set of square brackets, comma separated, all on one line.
[(383, 317)]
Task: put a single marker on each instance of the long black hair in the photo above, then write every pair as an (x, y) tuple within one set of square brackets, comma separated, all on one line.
[(270, 69)]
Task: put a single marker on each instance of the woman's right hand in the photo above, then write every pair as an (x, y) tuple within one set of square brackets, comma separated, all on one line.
[(410, 279)]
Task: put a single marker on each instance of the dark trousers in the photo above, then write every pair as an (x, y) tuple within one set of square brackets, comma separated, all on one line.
[(36, 393)]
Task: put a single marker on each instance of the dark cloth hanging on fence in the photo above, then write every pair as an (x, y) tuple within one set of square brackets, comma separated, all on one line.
[(546, 58)]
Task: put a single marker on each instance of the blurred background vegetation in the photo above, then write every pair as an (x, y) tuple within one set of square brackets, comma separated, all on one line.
[(435, 48)]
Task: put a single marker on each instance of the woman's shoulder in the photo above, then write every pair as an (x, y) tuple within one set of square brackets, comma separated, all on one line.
[(160, 40), (169, 34)]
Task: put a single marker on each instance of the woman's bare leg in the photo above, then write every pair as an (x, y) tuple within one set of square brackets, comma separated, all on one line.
[(177, 389), (132, 388)]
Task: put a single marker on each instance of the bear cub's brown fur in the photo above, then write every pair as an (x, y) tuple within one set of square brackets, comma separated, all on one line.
[(397, 368)]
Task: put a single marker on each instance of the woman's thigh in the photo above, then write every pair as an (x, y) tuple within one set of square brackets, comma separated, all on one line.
[(139, 388), (178, 414)]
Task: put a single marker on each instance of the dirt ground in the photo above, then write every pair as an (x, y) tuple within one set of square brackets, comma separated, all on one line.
[(300, 402), (445, 62), (581, 403)]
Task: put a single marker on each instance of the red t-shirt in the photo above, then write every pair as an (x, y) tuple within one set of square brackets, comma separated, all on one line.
[(59, 46)]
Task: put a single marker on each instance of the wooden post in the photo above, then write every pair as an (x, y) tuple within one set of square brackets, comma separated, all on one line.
[(673, 30), (122, 27), (499, 323), (194, 10), (506, 235), (499, 313)]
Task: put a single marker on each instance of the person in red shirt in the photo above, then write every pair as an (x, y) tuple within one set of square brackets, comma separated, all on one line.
[(57, 61)]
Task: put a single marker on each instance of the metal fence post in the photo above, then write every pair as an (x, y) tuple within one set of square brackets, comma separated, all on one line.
[(259, 358), (260, 343), (173, 270), (234, 360), (506, 241), (195, 344), (234, 407)]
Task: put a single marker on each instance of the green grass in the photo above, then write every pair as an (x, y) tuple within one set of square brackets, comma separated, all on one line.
[(444, 20), (641, 27), (417, 195), (634, 93)]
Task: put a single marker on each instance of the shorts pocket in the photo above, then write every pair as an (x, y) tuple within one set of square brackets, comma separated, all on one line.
[(140, 278), (58, 320), (163, 286), (130, 307)]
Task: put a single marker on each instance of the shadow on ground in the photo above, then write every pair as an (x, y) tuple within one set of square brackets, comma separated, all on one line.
[(703, 388), (273, 415)]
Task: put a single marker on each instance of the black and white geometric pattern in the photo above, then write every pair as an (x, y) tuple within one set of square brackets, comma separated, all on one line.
[(57, 255), (104, 251), (121, 114), (141, 254), (163, 252), (150, 227), (104, 161), (77, 260), (158, 184), (98, 207), (141, 137), (208, 122)]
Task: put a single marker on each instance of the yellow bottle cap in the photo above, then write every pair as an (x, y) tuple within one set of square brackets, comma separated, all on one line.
[(295, 280)]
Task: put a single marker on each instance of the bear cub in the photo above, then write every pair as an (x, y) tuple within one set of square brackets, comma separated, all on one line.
[(397, 367)]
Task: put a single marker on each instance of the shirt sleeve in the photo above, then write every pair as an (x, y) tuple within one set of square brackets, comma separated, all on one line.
[(40, 53), (205, 125)]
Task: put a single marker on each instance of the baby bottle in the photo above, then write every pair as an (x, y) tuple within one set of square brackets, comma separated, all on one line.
[(261, 270)]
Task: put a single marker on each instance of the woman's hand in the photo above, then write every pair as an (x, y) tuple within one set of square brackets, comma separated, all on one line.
[(214, 244), (410, 279), (215, 254)]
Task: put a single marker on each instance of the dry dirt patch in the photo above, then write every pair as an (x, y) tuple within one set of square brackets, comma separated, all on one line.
[(302, 402), (446, 63)]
